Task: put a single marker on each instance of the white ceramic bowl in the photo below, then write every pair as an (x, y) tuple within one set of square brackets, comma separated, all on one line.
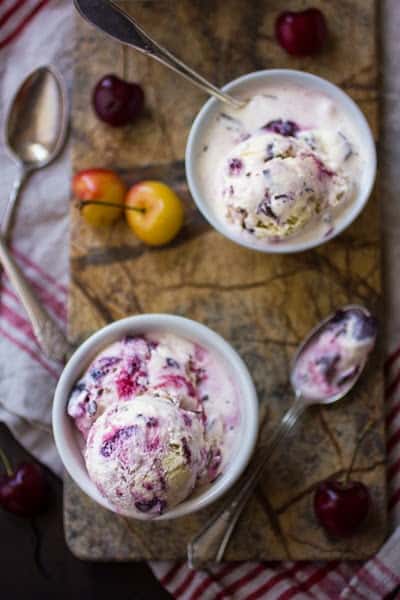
[(67, 438), (253, 80)]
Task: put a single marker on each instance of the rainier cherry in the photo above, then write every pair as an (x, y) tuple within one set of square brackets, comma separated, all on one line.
[(159, 212), (101, 193)]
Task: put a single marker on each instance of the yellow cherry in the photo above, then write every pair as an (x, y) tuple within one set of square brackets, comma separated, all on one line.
[(160, 215), (100, 185)]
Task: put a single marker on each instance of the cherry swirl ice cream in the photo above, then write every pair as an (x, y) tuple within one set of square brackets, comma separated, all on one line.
[(287, 164), (272, 185), (158, 415), (146, 454)]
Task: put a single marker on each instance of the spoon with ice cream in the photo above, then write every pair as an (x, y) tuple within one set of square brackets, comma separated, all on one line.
[(325, 368)]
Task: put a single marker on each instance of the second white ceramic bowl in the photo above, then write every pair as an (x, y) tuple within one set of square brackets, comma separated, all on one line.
[(253, 81), (68, 439)]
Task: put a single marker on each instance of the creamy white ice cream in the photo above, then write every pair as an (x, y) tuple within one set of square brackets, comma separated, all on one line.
[(288, 164), (273, 186)]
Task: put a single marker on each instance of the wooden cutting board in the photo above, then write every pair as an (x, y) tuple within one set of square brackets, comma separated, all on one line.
[(262, 304)]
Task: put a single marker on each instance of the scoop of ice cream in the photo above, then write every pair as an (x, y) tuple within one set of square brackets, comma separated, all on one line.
[(332, 360), (145, 455), (118, 373), (132, 366), (273, 184)]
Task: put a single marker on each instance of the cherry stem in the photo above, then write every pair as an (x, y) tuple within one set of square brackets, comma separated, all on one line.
[(84, 203), (124, 62), (356, 449), (6, 463)]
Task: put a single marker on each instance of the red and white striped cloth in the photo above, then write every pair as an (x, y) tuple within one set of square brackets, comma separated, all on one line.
[(28, 378), (15, 15)]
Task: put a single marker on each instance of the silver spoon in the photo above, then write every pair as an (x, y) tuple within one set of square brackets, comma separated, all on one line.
[(35, 129), (35, 133), (210, 543), (110, 19)]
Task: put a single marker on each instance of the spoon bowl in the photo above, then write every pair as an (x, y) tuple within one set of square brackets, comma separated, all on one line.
[(36, 122), (35, 129), (332, 319)]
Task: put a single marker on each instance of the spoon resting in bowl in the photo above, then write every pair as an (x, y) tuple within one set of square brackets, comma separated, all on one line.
[(326, 367)]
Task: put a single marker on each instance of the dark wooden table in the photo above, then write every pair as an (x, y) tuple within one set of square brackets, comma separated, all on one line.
[(36, 563)]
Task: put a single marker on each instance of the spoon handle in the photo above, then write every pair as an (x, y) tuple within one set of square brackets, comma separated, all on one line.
[(12, 200), (168, 59), (50, 337), (210, 543), (113, 21)]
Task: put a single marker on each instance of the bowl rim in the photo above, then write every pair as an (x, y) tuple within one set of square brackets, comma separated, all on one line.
[(300, 77), (192, 330)]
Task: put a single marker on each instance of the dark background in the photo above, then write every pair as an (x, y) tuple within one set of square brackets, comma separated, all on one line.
[(35, 563)]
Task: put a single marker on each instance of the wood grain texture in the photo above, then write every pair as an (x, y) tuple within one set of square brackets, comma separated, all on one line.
[(262, 304)]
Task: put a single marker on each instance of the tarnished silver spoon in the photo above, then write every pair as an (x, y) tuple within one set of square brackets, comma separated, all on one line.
[(210, 543), (113, 21), (35, 133), (35, 129)]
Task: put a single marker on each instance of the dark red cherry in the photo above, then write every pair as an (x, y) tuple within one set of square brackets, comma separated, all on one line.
[(117, 102), (24, 491), (341, 507), (301, 33)]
